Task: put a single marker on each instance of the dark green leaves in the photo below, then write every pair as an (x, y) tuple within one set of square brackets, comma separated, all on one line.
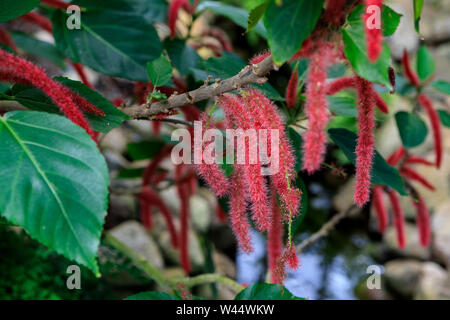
[(425, 63), (183, 56), (412, 129), (159, 71), (355, 49), (418, 6), (54, 183), (445, 117), (382, 173), (111, 42), (289, 25), (266, 291), (442, 86), (238, 15), (256, 15), (391, 20), (10, 9)]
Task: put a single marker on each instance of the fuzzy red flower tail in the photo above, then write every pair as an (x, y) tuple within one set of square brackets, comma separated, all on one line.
[(340, 84), (6, 39), (260, 57), (422, 221), (380, 208), (426, 103), (153, 197), (212, 174), (396, 156), (408, 71), (275, 238), (365, 144), (411, 174), (236, 110), (39, 20), (183, 193), (238, 211), (16, 69), (315, 138), (372, 22), (292, 90), (335, 11), (399, 220), (418, 160)]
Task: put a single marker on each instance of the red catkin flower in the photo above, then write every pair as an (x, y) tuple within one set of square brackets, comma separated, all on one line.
[(422, 221), (291, 257), (411, 174), (241, 116), (374, 34), (365, 144), (221, 215), (6, 39), (418, 160), (16, 69), (275, 238), (396, 156), (260, 57), (183, 193), (238, 210), (83, 103), (56, 4), (153, 197), (212, 174), (399, 220), (340, 84), (146, 209), (267, 117), (408, 71), (316, 107), (380, 208), (426, 103), (292, 90), (175, 6), (150, 171)]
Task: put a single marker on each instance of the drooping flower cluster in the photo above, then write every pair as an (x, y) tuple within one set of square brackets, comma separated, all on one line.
[(400, 157), (247, 186), (17, 70), (372, 23)]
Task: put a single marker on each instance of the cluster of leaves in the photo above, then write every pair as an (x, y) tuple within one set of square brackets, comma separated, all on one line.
[(53, 178)]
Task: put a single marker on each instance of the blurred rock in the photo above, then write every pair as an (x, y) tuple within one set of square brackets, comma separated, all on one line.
[(433, 283), (403, 276), (134, 235), (200, 213), (413, 248), (441, 232)]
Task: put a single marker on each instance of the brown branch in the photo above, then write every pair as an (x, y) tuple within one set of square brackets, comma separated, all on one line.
[(326, 228), (250, 74)]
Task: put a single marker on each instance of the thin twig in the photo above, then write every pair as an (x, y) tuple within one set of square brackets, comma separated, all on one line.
[(250, 74), (326, 228)]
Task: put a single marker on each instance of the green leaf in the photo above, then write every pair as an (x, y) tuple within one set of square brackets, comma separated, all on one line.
[(229, 65), (131, 173), (110, 42), (266, 291), (150, 10), (54, 183), (152, 295), (355, 49), (39, 48), (418, 6), (382, 173), (344, 106), (145, 149), (425, 63), (391, 20), (237, 15), (256, 15), (183, 56), (445, 117), (159, 71), (442, 86), (289, 25), (10, 9), (412, 129), (114, 117)]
